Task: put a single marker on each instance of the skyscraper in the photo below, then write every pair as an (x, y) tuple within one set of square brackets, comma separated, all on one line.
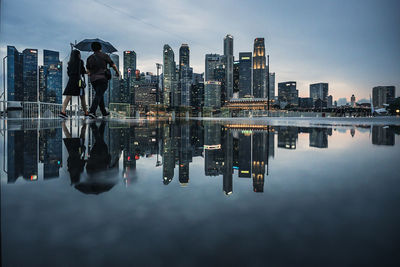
[(228, 53), (169, 79), (319, 91), (245, 74), (50, 57), (271, 85), (382, 95), (50, 78), (15, 87), (212, 94), (259, 69), (30, 74), (212, 61), (236, 77), (185, 75), (129, 63), (184, 56), (288, 93), (115, 88)]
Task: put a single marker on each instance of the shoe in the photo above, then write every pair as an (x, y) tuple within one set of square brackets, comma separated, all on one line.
[(63, 115), (92, 116), (106, 115)]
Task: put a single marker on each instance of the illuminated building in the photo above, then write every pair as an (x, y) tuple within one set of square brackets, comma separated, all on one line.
[(245, 67), (228, 53), (287, 137), (212, 61), (259, 69), (30, 74), (129, 63), (212, 94), (169, 77), (258, 160), (288, 93), (236, 65)]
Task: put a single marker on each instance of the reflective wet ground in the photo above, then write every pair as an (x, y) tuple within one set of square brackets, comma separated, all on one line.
[(199, 193)]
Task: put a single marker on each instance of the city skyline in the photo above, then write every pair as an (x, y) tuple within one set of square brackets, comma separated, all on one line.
[(298, 51)]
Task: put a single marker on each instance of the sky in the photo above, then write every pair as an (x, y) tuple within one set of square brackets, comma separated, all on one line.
[(351, 44)]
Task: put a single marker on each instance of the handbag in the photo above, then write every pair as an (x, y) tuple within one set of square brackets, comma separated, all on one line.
[(107, 72)]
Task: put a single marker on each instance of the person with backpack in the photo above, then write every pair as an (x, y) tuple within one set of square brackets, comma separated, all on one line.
[(76, 83), (99, 75)]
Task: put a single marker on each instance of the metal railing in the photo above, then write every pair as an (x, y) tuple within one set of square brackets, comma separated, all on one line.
[(35, 110), (120, 110)]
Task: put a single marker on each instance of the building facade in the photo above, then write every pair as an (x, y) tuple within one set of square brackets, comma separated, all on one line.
[(212, 94), (129, 63), (212, 61), (169, 76), (383, 95), (245, 75), (228, 53), (319, 91), (259, 69), (288, 93)]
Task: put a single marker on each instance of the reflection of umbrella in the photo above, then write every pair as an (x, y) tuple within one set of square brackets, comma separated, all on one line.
[(94, 188), (85, 45)]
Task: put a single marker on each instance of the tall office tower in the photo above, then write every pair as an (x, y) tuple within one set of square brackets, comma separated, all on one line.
[(212, 94), (197, 96), (15, 87), (54, 83), (42, 83), (383, 95), (319, 91), (220, 76), (186, 81), (50, 57), (271, 86), (259, 69), (169, 79), (211, 63), (287, 93), (52, 70), (245, 74), (114, 90), (30, 74), (228, 53), (184, 57), (236, 77), (129, 63), (185, 75)]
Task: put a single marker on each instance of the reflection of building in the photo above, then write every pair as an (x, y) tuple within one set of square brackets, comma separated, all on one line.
[(245, 154), (319, 137), (258, 160), (168, 154), (22, 156), (212, 145), (382, 136), (185, 153), (227, 147), (287, 137), (50, 151)]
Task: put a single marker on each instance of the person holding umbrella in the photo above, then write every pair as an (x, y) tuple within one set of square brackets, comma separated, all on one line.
[(99, 75)]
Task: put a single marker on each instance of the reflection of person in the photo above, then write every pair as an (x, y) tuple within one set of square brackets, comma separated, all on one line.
[(99, 157), (76, 153), (97, 66), (76, 71)]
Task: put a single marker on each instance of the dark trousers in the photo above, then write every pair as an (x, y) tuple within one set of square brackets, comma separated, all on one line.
[(100, 87)]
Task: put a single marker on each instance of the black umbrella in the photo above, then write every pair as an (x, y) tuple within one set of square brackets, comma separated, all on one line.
[(85, 45)]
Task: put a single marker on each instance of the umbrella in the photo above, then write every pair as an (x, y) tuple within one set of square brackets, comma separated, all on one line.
[(94, 188), (85, 45)]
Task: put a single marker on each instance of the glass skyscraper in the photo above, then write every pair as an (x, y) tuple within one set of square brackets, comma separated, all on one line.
[(169, 79), (185, 75), (15, 87), (30, 74), (319, 91), (288, 93), (245, 63), (228, 53), (212, 61), (129, 63), (259, 69)]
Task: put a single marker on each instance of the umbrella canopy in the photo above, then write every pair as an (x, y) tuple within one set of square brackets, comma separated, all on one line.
[(85, 45)]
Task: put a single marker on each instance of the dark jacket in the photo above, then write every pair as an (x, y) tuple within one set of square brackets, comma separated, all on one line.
[(97, 64)]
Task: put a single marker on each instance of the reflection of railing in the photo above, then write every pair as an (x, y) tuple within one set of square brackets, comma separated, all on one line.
[(120, 110), (30, 110)]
